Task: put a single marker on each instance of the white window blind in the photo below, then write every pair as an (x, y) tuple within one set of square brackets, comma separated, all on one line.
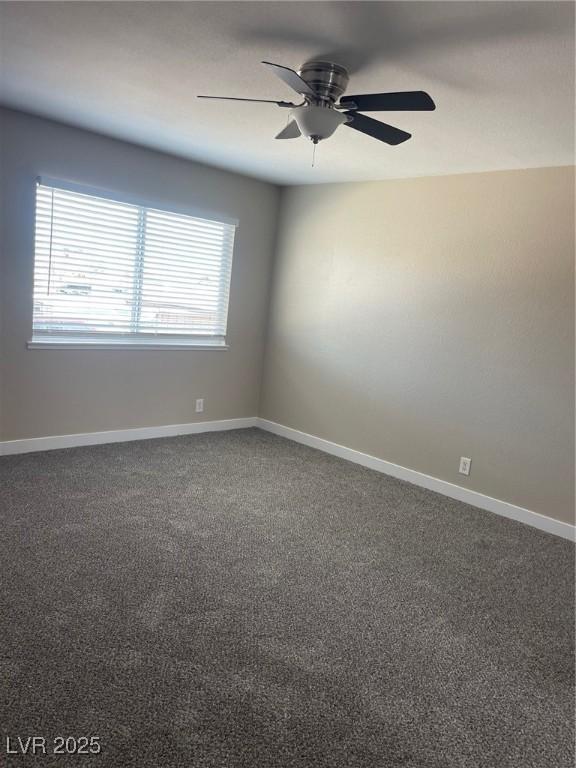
[(119, 272)]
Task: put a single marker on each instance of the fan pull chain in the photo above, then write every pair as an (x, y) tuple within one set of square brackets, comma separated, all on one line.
[(313, 153)]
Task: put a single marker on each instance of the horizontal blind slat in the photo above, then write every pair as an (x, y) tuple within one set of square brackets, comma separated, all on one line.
[(106, 271)]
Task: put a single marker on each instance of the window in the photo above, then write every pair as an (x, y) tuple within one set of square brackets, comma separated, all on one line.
[(114, 273)]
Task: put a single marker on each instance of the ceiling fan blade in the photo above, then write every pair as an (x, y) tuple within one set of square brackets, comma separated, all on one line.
[(409, 101), (262, 101), (376, 129), (290, 132), (291, 78)]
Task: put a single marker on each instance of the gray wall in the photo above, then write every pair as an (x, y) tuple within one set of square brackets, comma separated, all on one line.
[(427, 319), (55, 392)]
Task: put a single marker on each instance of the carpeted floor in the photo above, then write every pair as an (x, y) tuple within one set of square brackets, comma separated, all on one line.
[(235, 600)]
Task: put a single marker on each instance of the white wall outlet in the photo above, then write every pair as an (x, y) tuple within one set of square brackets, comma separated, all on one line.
[(465, 464), (200, 405)]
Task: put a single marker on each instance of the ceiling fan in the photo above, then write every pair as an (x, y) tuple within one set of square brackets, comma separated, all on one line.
[(321, 84)]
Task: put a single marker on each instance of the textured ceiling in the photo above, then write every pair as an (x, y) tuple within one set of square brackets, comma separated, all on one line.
[(501, 73)]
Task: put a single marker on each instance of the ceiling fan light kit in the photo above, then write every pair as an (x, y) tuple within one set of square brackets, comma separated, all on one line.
[(317, 122), (321, 84)]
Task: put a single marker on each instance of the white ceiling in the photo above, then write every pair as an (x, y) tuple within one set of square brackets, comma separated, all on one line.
[(501, 73)]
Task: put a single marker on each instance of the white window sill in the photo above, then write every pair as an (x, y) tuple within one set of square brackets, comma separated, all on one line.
[(126, 344)]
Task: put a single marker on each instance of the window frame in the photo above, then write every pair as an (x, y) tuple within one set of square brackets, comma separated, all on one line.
[(149, 342)]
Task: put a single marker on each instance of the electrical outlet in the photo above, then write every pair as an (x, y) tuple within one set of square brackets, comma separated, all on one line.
[(200, 405), (465, 464)]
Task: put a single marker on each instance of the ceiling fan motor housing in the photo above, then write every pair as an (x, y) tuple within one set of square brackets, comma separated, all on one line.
[(327, 80)]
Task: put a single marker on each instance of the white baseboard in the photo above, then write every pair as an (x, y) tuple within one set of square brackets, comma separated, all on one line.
[(32, 444), (536, 520)]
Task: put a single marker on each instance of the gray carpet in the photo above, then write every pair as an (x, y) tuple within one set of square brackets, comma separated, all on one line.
[(234, 600)]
